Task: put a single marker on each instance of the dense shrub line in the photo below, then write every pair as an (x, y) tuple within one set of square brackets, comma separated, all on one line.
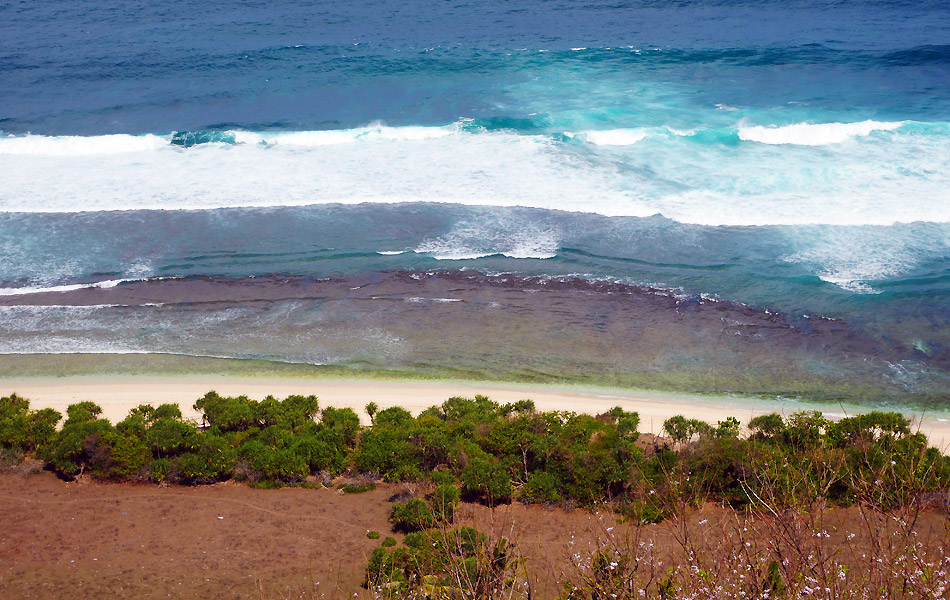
[(268, 442), (487, 452)]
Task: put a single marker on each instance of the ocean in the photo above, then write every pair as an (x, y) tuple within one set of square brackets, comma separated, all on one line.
[(705, 196)]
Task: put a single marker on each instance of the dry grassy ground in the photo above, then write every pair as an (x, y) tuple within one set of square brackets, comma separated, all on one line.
[(88, 540)]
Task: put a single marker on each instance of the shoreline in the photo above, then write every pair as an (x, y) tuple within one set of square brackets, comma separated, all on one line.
[(119, 393)]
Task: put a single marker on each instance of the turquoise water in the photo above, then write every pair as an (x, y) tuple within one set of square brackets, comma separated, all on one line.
[(793, 157)]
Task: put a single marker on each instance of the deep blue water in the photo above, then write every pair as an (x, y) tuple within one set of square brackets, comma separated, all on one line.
[(89, 68), (794, 156)]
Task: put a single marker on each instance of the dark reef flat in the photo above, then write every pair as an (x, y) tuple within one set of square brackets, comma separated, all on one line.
[(472, 325)]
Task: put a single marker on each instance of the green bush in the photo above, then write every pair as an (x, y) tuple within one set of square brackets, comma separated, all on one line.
[(82, 412), (137, 421), (13, 404), (322, 450), (442, 477), (430, 444), (541, 487), (519, 407), (403, 472), (719, 468), (278, 465), (387, 568), (24, 429), (479, 408), (659, 466), (433, 564), (43, 427), (681, 429), (159, 470), (414, 515), (356, 488), (393, 418), (72, 451), (387, 452), (475, 448), (646, 513), (728, 428), (129, 458), (241, 413), (373, 535), (444, 502), (627, 422), (868, 428), (167, 437), (212, 460), (486, 479), (344, 420), (806, 429), (167, 411), (95, 447), (296, 412), (418, 540), (768, 427)]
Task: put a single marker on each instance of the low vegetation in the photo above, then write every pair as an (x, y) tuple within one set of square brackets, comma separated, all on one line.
[(779, 478)]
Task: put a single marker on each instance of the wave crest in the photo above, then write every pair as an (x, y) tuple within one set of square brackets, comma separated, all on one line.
[(21, 291), (609, 137), (813, 134), (330, 137)]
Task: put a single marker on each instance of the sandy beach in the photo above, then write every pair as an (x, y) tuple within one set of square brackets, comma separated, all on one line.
[(118, 394)]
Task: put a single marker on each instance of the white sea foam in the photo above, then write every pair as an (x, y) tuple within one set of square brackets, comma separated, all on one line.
[(20, 291), (492, 168), (813, 134), (370, 133), (610, 137), (901, 177), (72, 145), (440, 252), (848, 282), (417, 300), (853, 258), (391, 252), (681, 132), (109, 305), (492, 235)]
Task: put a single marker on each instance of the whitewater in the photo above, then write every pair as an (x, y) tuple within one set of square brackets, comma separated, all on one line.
[(863, 173)]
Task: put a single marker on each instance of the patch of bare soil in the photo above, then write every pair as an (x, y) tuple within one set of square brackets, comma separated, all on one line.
[(76, 540), (88, 540), (91, 540)]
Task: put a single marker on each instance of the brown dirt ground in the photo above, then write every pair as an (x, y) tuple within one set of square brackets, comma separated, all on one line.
[(92, 540), (88, 540)]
